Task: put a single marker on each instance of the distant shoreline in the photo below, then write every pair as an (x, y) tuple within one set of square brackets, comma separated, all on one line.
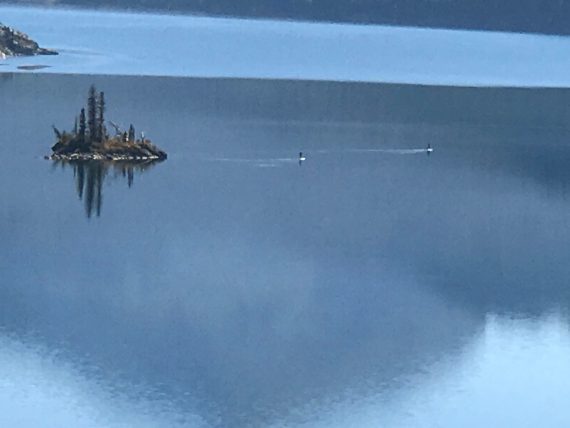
[(479, 16)]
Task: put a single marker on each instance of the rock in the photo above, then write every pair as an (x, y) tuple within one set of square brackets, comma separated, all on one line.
[(16, 43)]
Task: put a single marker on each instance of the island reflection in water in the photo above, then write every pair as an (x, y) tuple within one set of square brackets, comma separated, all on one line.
[(89, 177)]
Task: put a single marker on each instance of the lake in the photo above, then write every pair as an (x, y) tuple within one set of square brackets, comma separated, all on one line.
[(231, 286), (125, 43)]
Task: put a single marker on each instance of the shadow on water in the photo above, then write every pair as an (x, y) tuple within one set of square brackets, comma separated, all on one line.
[(89, 177)]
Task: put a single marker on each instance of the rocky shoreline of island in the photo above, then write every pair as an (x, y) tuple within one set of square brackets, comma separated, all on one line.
[(150, 154), (16, 43)]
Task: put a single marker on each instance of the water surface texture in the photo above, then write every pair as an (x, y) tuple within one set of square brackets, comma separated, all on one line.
[(230, 286)]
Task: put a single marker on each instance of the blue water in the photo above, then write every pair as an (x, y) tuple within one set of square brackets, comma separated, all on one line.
[(161, 45), (372, 285)]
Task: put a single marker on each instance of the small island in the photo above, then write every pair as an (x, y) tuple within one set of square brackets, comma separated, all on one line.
[(90, 141), (16, 43)]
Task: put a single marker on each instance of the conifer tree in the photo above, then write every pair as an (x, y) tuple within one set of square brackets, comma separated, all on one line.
[(92, 114), (101, 117), (132, 136), (82, 125)]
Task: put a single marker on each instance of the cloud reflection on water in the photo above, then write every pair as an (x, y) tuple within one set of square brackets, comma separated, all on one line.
[(260, 290), (40, 387)]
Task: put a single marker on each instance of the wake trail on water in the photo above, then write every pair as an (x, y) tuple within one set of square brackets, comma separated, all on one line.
[(268, 162), (389, 151), (257, 162)]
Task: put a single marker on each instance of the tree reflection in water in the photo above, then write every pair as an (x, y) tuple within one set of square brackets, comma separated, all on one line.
[(90, 175)]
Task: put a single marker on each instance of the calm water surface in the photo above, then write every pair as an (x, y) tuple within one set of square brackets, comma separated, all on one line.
[(229, 286), (120, 43)]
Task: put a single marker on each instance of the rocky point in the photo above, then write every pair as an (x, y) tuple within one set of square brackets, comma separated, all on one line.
[(16, 43)]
